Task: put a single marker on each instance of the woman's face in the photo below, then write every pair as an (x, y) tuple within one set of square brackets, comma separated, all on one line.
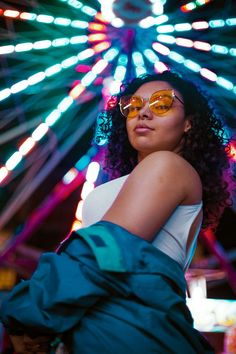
[(148, 132)]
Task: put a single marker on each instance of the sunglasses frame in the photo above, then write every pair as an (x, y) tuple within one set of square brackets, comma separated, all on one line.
[(144, 100)]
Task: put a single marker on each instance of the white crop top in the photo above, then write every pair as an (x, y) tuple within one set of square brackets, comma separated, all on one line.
[(172, 237)]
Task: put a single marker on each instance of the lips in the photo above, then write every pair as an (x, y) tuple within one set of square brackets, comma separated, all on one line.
[(142, 128)]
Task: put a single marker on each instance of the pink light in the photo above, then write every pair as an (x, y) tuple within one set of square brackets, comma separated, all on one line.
[(96, 27), (101, 47), (97, 37), (198, 25), (160, 67), (184, 42), (202, 46), (82, 68), (160, 48), (208, 74), (11, 13), (3, 173)]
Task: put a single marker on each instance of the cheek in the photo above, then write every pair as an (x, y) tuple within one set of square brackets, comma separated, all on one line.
[(129, 127), (173, 125)]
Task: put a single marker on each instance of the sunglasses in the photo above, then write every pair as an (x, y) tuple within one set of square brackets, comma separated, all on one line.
[(159, 103)]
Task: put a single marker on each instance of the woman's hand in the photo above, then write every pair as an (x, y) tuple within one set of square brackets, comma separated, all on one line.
[(27, 345)]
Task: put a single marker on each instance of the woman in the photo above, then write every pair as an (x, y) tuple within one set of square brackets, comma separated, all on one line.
[(117, 285)]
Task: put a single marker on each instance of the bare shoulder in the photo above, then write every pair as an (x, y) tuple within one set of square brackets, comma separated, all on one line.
[(157, 185), (167, 161)]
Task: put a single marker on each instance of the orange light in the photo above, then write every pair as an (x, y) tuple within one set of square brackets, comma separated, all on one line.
[(100, 18), (101, 46), (232, 152), (76, 225), (96, 37), (76, 91), (11, 13), (96, 27)]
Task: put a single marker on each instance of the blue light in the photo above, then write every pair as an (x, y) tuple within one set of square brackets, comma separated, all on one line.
[(176, 57), (220, 49), (216, 23), (192, 65), (165, 38)]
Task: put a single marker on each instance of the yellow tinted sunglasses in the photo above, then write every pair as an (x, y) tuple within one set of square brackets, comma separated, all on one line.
[(159, 103)]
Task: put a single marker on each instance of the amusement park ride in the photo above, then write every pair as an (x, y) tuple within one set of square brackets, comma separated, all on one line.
[(60, 61)]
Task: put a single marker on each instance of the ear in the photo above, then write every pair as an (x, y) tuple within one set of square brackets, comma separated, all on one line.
[(187, 124)]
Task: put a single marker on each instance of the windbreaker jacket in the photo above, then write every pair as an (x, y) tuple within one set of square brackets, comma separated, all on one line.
[(106, 291)]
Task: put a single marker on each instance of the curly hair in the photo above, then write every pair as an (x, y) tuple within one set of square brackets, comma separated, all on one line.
[(205, 145)]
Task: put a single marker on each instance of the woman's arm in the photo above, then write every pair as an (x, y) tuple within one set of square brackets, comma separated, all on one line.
[(157, 185)]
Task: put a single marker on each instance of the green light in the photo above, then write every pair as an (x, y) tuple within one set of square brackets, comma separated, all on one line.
[(165, 38), (36, 78), (45, 18), (13, 161), (231, 21), (200, 2), (183, 27), (140, 70), (192, 65), (165, 29), (88, 78), (137, 58), (232, 51), (53, 117), (82, 163), (110, 54), (23, 47), (150, 55), (88, 10), (216, 23), (42, 44), (52, 70), (62, 21), (123, 59), (69, 62), (4, 94), (65, 104), (78, 39), (176, 57), (220, 49), (75, 3), (79, 24), (224, 83), (7, 49), (60, 42), (19, 86)]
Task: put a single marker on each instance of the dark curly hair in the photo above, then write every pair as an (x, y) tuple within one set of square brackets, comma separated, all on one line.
[(205, 145)]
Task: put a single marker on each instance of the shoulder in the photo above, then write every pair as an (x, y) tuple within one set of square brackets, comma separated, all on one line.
[(166, 161), (172, 171)]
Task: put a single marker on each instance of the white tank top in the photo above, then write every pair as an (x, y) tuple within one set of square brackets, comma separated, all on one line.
[(171, 238)]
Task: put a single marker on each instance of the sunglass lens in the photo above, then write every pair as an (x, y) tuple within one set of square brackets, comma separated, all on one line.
[(130, 106), (160, 102)]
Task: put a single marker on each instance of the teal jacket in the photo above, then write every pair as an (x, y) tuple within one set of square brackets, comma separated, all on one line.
[(106, 291)]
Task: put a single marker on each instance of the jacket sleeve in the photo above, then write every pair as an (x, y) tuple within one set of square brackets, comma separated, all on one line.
[(63, 287)]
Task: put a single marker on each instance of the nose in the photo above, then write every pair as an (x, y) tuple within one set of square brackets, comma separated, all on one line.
[(145, 112)]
